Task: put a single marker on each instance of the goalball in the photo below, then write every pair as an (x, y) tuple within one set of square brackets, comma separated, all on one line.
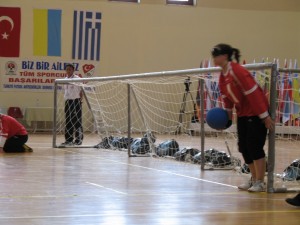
[(217, 118)]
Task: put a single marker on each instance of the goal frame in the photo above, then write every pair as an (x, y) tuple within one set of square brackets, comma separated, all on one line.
[(256, 66)]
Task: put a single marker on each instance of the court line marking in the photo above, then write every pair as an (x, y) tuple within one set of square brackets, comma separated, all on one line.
[(179, 213), (163, 171), (181, 175), (216, 194), (38, 196), (149, 168), (110, 189)]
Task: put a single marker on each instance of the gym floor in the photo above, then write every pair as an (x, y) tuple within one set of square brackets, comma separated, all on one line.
[(97, 186)]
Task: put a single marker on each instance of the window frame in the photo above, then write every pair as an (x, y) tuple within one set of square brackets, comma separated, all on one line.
[(133, 1), (174, 2)]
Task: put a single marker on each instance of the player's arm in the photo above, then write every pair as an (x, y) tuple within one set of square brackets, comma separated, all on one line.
[(81, 95), (255, 95), (228, 106)]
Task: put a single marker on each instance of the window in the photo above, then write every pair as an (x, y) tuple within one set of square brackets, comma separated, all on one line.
[(181, 2), (136, 1)]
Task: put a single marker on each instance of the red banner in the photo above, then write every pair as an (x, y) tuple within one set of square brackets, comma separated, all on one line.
[(10, 25)]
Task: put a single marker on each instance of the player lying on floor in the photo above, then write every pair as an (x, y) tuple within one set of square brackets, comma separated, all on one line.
[(15, 133)]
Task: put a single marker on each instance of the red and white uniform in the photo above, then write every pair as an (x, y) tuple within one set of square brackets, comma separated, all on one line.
[(238, 88), (11, 127), (72, 91)]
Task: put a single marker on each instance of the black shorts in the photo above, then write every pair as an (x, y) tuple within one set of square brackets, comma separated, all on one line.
[(252, 135)]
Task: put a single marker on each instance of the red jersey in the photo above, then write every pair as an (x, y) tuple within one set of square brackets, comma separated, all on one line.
[(11, 127), (238, 88)]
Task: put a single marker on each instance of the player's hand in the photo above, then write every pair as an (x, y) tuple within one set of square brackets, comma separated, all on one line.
[(269, 123)]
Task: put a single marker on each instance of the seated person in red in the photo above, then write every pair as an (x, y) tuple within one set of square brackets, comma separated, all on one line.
[(15, 133)]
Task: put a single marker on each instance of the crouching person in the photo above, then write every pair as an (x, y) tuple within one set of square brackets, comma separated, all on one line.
[(15, 133)]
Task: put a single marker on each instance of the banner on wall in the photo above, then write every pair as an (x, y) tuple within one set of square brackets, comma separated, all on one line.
[(10, 25), (26, 75), (86, 35), (47, 32)]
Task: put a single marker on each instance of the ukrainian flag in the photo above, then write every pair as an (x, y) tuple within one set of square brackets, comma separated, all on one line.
[(296, 94), (47, 32)]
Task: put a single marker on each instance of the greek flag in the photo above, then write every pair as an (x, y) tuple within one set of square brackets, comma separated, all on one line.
[(86, 35)]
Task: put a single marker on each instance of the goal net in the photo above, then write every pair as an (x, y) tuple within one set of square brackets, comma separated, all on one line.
[(162, 114)]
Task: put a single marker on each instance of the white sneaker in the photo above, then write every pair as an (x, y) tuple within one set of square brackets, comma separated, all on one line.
[(66, 143), (246, 185), (258, 186)]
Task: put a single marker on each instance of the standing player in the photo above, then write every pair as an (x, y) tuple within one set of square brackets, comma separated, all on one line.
[(240, 90), (73, 110), (15, 133)]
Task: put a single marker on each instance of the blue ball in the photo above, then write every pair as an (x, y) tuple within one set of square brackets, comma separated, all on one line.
[(217, 118)]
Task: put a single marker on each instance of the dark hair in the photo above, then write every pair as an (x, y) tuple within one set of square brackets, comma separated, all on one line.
[(70, 65), (224, 49)]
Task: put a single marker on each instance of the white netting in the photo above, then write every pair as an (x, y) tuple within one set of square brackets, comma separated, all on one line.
[(166, 107), (156, 105), (287, 166)]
